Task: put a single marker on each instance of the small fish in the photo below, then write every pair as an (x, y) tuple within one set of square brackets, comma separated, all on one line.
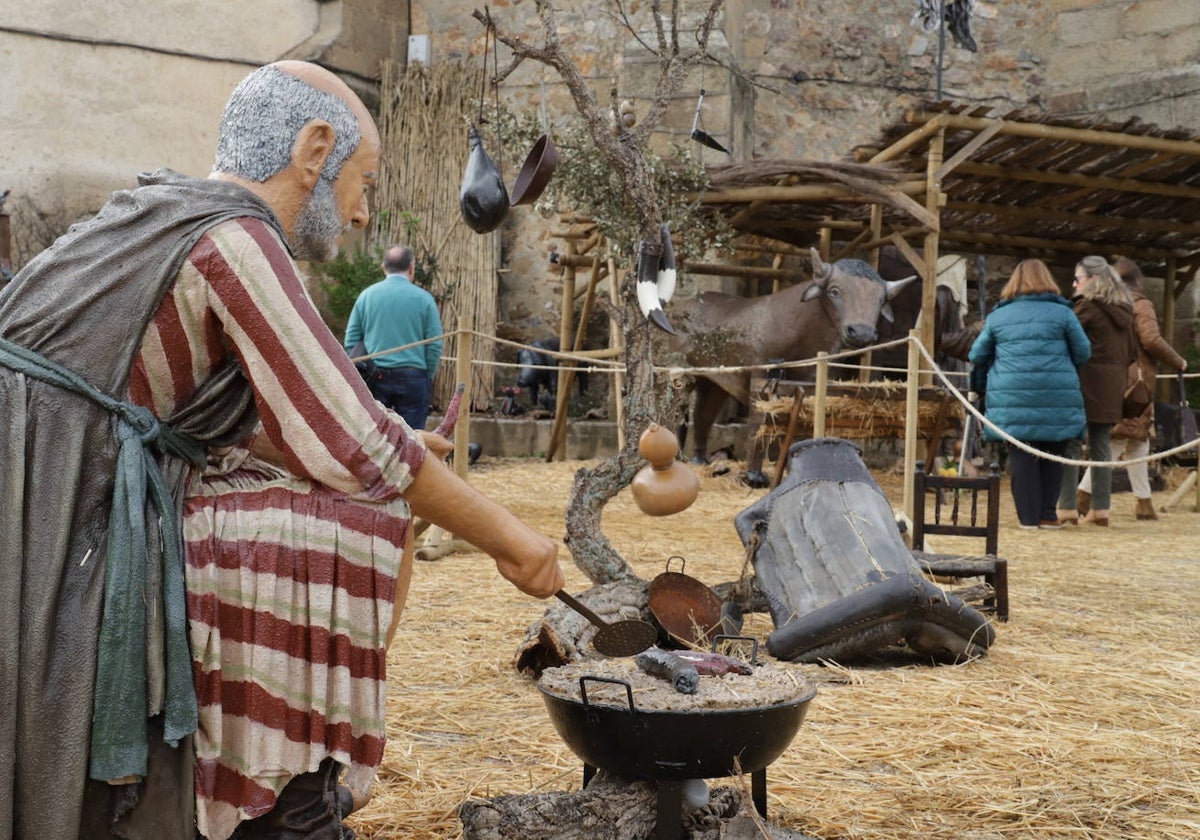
[(713, 664)]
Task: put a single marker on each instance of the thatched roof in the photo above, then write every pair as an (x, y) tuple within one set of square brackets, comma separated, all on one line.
[(1017, 183)]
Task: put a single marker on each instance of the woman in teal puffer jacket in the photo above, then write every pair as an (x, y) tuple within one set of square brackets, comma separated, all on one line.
[(1032, 346)]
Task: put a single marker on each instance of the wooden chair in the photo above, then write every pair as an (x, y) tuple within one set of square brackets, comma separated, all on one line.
[(956, 511)]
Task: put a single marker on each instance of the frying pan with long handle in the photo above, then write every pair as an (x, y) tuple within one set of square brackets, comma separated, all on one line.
[(619, 638)]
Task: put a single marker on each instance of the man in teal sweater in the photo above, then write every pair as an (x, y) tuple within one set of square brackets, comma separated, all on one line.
[(392, 313)]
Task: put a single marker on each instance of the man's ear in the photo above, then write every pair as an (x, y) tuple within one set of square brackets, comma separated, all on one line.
[(314, 144)]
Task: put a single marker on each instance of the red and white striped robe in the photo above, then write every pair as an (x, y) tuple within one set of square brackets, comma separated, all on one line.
[(290, 574)]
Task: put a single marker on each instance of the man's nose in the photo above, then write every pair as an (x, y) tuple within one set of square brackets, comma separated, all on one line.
[(361, 214)]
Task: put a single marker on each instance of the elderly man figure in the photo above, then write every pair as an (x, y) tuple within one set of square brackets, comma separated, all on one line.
[(197, 592)]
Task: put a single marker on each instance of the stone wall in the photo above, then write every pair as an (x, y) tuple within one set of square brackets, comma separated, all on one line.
[(93, 93)]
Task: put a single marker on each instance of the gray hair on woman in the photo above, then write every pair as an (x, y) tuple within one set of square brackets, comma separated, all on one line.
[(263, 116), (1106, 284)]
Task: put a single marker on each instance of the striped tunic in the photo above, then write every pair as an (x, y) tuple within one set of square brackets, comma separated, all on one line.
[(290, 573)]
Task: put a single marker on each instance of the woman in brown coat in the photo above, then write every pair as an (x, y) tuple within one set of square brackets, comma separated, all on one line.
[(1105, 309), (1135, 432)]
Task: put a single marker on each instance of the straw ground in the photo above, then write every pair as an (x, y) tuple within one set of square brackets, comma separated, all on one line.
[(1082, 721)]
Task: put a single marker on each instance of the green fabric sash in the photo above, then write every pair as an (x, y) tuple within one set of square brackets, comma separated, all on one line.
[(121, 699)]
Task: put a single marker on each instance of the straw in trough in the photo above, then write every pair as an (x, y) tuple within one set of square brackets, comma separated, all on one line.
[(1081, 722), (875, 412)]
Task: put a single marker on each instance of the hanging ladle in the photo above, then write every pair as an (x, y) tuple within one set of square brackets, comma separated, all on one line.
[(620, 638), (699, 134)]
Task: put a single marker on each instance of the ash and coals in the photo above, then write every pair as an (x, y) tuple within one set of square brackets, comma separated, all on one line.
[(766, 686)]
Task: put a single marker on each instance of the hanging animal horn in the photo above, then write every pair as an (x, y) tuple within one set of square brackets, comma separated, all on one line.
[(647, 291), (666, 266)]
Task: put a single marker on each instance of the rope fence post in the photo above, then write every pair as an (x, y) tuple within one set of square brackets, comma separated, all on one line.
[(911, 418), (822, 385), (462, 372)]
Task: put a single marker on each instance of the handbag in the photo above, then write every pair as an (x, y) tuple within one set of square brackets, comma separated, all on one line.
[(1138, 395)]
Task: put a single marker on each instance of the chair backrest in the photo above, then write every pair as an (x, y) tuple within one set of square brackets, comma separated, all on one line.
[(956, 509)]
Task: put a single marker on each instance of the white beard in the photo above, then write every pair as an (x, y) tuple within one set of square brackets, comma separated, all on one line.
[(319, 226)]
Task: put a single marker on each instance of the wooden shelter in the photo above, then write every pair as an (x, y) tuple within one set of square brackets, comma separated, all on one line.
[(952, 176)]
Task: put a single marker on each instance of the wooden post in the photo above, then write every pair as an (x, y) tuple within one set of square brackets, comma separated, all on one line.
[(822, 386), (867, 358), (462, 373), (1188, 483), (557, 445), (616, 340), (911, 420), (933, 203), (1163, 388)]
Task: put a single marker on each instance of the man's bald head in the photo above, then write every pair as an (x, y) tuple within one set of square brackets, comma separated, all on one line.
[(266, 111)]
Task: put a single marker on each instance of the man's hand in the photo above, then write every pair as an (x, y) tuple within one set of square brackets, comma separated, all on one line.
[(438, 445), (533, 567), (525, 557)]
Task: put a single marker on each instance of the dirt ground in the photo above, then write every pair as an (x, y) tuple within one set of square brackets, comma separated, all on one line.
[(1081, 722)]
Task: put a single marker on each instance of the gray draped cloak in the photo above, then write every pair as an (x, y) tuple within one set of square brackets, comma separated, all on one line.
[(84, 304)]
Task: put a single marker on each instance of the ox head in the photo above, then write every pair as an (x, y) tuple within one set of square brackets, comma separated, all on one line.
[(856, 295)]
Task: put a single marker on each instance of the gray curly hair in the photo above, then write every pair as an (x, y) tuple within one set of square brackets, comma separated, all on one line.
[(1106, 284), (264, 114)]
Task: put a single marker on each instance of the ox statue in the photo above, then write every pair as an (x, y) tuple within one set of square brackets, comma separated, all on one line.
[(837, 309), (536, 377)]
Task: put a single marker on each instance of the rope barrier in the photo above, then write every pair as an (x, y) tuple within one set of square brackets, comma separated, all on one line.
[(595, 365)]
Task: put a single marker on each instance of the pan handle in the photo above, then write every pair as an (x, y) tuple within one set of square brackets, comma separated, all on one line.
[(753, 642), (682, 563), (572, 602), (583, 689)]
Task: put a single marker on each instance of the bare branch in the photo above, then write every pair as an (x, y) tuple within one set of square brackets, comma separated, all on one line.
[(675, 27), (628, 24), (656, 14)]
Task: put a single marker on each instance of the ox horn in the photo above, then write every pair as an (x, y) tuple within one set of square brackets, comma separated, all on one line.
[(894, 286), (821, 271)]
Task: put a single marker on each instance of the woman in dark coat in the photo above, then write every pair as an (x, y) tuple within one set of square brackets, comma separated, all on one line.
[(1031, 347), (1105, 309), (1135, 432)]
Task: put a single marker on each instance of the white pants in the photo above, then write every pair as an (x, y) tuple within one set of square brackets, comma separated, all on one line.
[(1139, 474)]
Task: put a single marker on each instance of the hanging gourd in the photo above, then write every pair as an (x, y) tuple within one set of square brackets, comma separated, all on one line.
[(666, 485), (483, 198)]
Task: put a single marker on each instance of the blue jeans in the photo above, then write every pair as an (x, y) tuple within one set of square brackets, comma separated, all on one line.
[(405, 390)]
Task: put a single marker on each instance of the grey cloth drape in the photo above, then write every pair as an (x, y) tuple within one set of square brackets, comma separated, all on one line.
[(84, 304)]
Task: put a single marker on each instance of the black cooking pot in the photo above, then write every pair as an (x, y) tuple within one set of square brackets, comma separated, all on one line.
[(633, 743)]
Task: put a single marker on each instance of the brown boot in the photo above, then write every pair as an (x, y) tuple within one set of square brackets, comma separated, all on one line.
[(1097, 517), (1083, 502), (1145, 509)]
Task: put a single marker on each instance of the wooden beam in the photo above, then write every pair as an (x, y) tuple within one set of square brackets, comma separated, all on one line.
[(746, 271), (915, 259), (1090, 136), (798, 193), (934, 197), (969, 149), (1071, 179), (1034, 211), (849, 248), (1073, 246), (932, 126)]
